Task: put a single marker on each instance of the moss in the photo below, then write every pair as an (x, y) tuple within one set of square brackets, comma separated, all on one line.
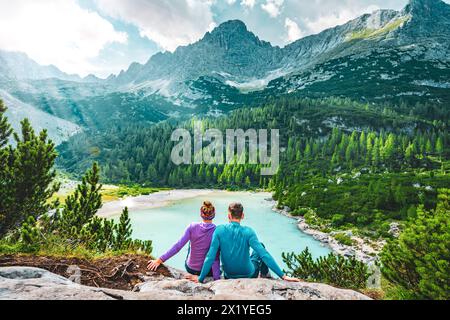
[(111, 194), (362, 34), (372, 33)]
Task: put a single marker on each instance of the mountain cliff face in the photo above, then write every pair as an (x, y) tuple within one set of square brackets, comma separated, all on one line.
[(387, 55), (58, 129), (429, 18), (405, 55), (233, 57), (233, 52), (307, 50), (229, 52)]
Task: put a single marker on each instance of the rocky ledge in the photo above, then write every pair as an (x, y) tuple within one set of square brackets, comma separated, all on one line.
[(26, 283)]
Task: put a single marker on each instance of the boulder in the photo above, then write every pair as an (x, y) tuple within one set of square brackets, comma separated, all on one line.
[(249, 289), (24, 283), (394, 229)]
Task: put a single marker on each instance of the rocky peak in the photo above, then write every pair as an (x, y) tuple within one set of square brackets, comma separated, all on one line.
[(427, 8), (429, 18), (231, 26), (233, 33), (423, 5), (378, 18)]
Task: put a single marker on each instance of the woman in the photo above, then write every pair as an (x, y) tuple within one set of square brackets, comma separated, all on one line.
[(199, 235)]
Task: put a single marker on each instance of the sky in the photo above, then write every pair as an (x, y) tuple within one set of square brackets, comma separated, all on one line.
[(102, 37)]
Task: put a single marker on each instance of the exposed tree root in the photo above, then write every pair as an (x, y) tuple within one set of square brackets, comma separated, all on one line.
[(122, 272)]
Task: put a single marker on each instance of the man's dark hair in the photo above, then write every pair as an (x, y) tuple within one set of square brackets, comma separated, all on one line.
[(236, 210)]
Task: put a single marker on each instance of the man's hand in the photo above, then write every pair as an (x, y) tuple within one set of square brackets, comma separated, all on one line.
[(154, 264), (192, 278), (289, 279)]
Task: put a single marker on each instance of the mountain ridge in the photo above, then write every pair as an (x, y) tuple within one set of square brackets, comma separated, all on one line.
[(387, 55), (16, 65), (388, 27)]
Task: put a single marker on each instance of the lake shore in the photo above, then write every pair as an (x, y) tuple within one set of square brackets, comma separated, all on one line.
[(154, 200), (159, 199), (361, 250)]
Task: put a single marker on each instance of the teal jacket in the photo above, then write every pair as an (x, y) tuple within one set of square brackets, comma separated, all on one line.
[(234, 242)]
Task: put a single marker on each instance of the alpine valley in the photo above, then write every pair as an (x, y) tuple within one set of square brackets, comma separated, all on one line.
[(400, 57), (363, 112)]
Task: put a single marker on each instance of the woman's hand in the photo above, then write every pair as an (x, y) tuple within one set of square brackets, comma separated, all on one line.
[(192, 278), (154, 264), (289, 279)]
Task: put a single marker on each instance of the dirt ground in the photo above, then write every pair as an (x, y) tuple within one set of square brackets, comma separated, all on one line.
[(122, 272)]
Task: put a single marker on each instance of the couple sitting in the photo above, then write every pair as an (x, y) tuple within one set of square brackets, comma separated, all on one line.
[(232, 242)]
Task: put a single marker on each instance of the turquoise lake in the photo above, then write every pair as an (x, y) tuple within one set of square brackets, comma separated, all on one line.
[(165, 225)]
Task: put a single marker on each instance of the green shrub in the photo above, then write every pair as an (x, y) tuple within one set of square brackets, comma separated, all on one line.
[(338, 220), (333, 269), (344, 239), (75, 229), (418, 262), (300, 212), (77, 221)]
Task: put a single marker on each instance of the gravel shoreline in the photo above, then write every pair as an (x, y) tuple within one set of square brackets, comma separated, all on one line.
[(154, 200), (361, 250), (158, 200)]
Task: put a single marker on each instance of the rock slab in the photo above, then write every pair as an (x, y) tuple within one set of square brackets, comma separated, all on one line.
[(24, 283)]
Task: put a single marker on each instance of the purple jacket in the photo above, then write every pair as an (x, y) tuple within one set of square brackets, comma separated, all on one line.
[(200, 236)]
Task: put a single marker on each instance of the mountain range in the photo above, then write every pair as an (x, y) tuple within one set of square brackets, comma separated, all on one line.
[(395, 56)]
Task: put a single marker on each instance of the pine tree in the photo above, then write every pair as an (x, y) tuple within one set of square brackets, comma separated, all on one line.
[(439, 147), (27, 177), (440, 151), (369, 148), (5, 193), (376, 152), (362, 142), (123, 231), (248, 183), (410, 154), (389, 149), (82, 206), (308, 151), (418, 261), (5, 128), (429, 147), (29, 233)]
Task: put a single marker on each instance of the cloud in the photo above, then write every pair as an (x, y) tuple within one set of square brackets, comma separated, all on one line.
[(293, 30), (328, 20), (272, 7), (248, 3), (319, 15), (168, 23), (56, 32), (342, 16)]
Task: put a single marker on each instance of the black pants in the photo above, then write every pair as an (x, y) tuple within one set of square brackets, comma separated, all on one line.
[(260, 266), (195, 272)]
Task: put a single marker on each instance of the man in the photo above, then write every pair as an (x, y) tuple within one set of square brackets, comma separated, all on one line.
[(234, 242)]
